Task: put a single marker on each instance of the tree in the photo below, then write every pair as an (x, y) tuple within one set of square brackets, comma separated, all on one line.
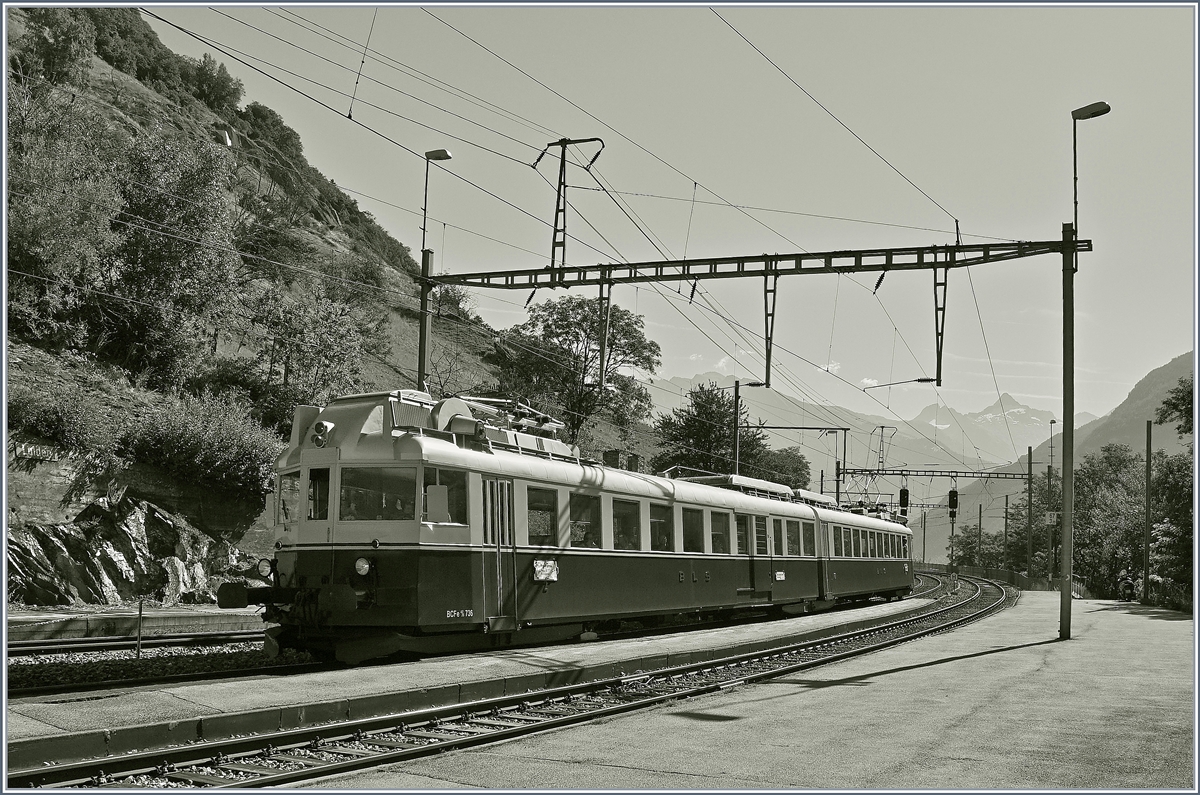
[(699, 435), (215, 87), (63, 192), (788, 466), (554, 358), (174, 265), (968, 551), (1177, 407), (58, 46), (452, 299)]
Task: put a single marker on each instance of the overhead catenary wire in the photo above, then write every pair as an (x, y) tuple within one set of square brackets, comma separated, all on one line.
[(831, 114), (359, 123)]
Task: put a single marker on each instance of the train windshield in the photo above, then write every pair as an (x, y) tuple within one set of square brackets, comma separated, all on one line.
[(378, 494)]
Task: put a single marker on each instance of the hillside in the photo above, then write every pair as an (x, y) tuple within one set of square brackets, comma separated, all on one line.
[(1126, 424)]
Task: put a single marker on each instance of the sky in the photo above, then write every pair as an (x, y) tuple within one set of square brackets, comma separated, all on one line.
[(867, 127)]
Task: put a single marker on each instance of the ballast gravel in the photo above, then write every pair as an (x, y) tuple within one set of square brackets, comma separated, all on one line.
[(45, 670)]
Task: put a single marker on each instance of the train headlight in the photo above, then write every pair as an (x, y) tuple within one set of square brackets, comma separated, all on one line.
[(362, 566), (321, 432), (265, 566)]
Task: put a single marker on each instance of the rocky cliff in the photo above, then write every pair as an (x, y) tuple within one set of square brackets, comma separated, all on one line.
[(118, 550)]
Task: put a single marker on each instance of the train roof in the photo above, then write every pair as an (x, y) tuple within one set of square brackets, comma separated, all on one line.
[(362, 432), (591, 476)]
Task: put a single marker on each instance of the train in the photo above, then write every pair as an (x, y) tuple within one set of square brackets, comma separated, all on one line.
[(408, 524)]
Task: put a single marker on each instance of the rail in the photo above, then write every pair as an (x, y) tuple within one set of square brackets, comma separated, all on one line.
[(1018, 580), (303, 754)]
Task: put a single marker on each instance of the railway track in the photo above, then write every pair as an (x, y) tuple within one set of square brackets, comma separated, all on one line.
[(21, 648), (925, 586), (304, 754)]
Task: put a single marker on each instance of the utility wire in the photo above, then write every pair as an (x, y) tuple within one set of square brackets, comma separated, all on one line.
[(368, 128), (606, 125), (992, 367), (831, 114)]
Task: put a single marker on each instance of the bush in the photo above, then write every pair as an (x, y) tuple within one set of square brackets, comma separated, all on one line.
[(207, 441), (60, 415), (241, 380)]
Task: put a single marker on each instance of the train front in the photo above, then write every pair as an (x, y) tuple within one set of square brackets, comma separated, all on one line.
[(373, 539)]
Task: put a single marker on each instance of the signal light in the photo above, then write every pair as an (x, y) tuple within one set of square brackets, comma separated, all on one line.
[(953, 501), (903, 498)]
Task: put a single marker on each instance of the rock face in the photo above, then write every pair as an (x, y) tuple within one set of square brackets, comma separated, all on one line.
[(116, 550)]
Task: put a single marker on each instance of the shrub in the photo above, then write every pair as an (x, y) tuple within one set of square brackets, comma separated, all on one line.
[(60, 415), (241, 380), (207, 441)]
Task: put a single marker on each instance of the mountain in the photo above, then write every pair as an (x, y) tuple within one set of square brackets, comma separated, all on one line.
[(937, 436), (1126, 424), (995, 430)]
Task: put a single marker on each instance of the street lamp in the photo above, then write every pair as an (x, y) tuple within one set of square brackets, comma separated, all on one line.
[(435, 154), (737, 417), (1070, 265), (426, 285)]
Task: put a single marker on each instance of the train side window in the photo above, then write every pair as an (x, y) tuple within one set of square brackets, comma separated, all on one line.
[(693, 530), (872, 550), (892, 545), (856, 541), (838, 549), (455, 484), (810, 539), (904, 547), (585, 521), (542, 517), (289, 498), (793, 538), (377, 493), (760, 535), (318, 493), (662, 528), (777, 526), (627, 525), (720, 533), (743, 533)]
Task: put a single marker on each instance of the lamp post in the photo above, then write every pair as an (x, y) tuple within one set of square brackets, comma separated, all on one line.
[(737, 417), (1070, 265), (434, 154), (426, 286)]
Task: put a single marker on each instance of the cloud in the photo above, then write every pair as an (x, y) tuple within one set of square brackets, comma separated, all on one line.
[(723, 365), (833, 367), (695, 357), (869, 382)]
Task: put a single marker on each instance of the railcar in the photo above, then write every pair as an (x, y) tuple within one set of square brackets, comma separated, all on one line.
[(405, 524)]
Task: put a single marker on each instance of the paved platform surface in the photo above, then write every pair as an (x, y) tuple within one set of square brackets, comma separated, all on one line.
[(1000, 704), (71, 727), (93, 622)]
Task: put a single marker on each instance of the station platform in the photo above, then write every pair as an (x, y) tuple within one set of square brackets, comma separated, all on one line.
[(999, 704), (67, 728), (97, 622)]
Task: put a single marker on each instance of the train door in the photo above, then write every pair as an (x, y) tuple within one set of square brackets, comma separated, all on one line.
[(500, 575), (762, 572)]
